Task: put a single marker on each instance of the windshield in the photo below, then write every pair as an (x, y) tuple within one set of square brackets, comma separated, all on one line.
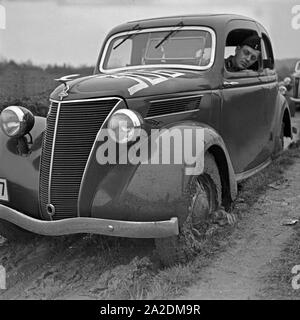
[(189, 47)]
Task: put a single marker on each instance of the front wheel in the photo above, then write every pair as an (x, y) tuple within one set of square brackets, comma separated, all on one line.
[(205, 199), (279, 141)]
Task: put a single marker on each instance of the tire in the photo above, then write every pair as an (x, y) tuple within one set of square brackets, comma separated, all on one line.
[(292, 106), (14, 233), (279, 141), (281, 137), (205, 198)]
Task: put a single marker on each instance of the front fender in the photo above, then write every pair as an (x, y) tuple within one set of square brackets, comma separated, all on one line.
[(20, 167), (153, 192)]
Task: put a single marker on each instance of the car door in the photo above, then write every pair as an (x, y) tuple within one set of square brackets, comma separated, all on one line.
[(242, 113), (268, 78), (296, 85)]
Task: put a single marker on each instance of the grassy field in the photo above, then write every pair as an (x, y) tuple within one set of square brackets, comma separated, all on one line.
[(30, 86)]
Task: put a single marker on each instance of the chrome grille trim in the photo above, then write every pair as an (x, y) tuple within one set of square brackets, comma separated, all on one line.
[(43, 191), (52, 154), (61, 182), (171, 114), (86, 100), (92, 149), (178, 98)]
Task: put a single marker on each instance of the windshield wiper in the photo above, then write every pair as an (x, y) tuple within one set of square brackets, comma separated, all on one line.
[(136, 27), (180, 25)]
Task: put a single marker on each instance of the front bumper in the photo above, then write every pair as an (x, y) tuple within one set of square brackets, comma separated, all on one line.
[(129, 229)]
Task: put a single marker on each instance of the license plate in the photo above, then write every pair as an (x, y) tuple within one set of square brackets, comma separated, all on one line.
[(3, 190)]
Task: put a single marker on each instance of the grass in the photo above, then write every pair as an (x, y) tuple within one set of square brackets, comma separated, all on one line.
[(30, 86), (278, 283)]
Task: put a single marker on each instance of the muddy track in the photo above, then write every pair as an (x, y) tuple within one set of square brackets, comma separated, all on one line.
[(70, 267), (238, 272)]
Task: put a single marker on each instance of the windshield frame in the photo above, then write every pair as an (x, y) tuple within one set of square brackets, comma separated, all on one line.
[(173, 66)]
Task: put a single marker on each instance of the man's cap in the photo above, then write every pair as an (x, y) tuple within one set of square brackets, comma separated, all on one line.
[(253, 42)]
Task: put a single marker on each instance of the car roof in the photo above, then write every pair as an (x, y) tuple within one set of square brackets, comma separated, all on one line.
[(214, 21), (188, 17)]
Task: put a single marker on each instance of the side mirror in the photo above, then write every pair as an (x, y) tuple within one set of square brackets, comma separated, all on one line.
[(268, 64), (297, 67)]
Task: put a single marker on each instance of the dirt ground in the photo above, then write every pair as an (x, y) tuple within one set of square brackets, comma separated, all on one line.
[(95, 267), (238, 272)]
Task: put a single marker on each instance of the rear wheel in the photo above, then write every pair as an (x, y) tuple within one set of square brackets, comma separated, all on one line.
[(292, 106), (14, 233), (205, 198)]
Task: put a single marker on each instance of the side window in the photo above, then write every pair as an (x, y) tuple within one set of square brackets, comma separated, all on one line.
[(267, 53), (234, 45)]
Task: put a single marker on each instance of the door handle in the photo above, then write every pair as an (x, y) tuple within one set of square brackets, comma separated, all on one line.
[(230, 83)]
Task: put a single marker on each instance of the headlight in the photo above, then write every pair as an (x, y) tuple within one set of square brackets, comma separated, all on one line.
[(16, 121), (124, 125)]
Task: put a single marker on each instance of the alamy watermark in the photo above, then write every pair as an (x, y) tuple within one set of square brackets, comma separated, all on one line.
[(2, 17), (183, 146), (296, 17), (2, 278), (296, 278)]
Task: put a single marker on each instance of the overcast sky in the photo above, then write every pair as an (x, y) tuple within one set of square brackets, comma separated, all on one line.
[(72, 31)]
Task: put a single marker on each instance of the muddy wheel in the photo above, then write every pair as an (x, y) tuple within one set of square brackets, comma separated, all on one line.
[(13, 233), (205, 198), (279, 141), (293, 108), (282, 136)]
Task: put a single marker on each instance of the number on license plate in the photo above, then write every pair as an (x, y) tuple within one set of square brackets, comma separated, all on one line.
[(3, 190)]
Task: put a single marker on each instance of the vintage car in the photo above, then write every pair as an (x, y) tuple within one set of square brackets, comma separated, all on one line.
[(152, 76), (296, 85)]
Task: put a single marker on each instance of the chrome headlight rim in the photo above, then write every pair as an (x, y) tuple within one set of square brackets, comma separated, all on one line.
[(134, 117), (25, 121)]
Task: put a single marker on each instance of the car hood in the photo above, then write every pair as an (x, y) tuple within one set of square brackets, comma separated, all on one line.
[(137, 83)]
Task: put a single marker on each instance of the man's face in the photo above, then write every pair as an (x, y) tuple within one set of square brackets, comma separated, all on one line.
[(245, 56)]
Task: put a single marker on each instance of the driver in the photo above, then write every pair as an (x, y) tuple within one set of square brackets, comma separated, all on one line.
[(245, 55)]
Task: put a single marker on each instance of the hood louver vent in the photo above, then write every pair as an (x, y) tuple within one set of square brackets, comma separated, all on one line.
[(175, 105)]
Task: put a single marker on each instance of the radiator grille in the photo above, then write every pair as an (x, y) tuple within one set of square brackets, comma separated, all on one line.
[(77, 127)]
